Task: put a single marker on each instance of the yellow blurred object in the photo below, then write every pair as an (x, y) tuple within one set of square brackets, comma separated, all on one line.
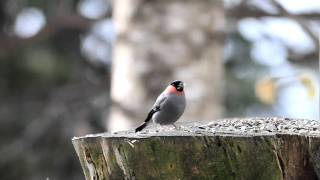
[(266, 91), (309, 83)]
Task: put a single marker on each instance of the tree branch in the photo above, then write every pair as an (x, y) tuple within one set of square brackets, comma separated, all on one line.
[(299, 20), (53, 26), (244, 11)]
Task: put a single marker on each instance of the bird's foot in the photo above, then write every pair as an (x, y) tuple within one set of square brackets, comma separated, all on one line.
[(182, 128), (175, 126)]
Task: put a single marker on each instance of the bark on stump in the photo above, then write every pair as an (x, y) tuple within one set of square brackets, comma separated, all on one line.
[(252, 148)]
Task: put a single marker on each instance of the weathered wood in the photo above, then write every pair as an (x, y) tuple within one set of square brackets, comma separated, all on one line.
[(253, 148)]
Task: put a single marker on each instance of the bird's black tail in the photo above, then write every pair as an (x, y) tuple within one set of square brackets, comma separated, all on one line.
[(143, 125)]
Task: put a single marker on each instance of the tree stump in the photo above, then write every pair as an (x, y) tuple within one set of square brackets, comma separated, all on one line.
[(251, 148)]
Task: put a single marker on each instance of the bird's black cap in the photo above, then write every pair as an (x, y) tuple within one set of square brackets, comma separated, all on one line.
[(179, 85)]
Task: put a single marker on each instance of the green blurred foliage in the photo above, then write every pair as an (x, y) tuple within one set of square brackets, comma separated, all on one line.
[(46, 93)]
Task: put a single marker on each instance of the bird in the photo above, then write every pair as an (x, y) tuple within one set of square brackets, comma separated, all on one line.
[(169, 106)]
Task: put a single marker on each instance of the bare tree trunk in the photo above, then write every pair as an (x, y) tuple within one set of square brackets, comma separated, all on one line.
[(160, 41)]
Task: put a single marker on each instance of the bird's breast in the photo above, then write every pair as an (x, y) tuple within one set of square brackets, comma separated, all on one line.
[(170, 111)]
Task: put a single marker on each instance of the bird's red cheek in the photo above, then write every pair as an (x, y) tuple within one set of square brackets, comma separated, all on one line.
[(172, 90)]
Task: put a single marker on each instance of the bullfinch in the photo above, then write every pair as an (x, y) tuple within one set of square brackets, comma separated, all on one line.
[(168, 107)]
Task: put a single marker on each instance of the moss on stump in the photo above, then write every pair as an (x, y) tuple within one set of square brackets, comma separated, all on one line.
[(252, 148)]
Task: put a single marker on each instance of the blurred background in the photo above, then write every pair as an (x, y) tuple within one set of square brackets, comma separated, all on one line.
[(56, 65)]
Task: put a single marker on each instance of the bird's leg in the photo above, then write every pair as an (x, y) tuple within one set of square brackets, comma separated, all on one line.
[(175, 126), (183, 128), (158, 127)]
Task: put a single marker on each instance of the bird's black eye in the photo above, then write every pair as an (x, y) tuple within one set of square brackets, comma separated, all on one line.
[(178, 85), (179, 88)]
